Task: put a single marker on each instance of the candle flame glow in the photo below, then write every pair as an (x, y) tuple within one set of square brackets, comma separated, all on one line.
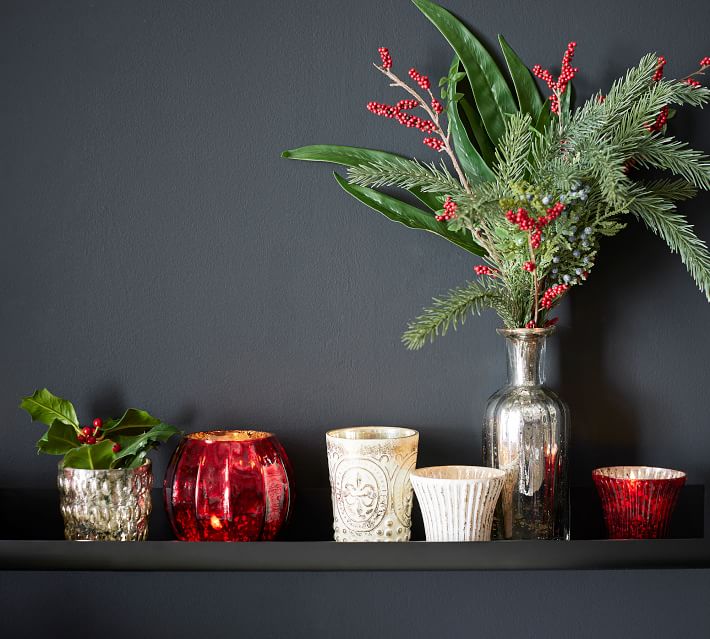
[(215, 522)]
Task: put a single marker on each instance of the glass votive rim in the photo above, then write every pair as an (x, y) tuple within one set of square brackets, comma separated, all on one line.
[(458, 473), (642, 473), (229, 435), (372, 433)]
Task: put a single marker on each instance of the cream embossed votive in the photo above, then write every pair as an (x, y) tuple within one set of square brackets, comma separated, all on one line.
[(369, 470)]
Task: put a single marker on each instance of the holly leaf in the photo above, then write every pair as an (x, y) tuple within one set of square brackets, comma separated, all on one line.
[(139, 445), (59, 439), (134, 422), (98, 456), (47, 408)]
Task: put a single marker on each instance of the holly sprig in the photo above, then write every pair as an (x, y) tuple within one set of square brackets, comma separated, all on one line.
[(114, 443)]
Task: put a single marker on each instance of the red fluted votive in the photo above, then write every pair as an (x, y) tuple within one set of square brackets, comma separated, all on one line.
[(638, 501), (228, 485)]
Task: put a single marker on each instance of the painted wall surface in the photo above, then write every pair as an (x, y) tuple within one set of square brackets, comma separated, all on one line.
[(157, 252)]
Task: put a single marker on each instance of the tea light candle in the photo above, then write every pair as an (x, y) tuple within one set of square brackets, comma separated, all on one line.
[(638, 501)]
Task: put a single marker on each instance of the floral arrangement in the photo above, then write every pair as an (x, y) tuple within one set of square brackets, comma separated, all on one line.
[(531, 185), (114, 443)]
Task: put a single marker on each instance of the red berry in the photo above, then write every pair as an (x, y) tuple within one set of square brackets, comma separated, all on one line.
[(529, 266), (91, 439), (98, 422), (705, 62), (530, 324), (81, 438), (116, 448), (87, 430), (386, 57)]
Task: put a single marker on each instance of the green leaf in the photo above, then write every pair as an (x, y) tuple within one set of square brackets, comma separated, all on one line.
[(59, 439), (479, 133), (529, 99), (98, 456), (354, 156), (139, 445), (543, 117), (471, 161), (490, 89), (567, 100), (46, 408), (134, 422), (406, 214)]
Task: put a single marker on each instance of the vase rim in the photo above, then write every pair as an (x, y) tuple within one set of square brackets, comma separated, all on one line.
[(229, 435), (372, 433), (145, 465), (525, 333), (644, 473), (457, 473)]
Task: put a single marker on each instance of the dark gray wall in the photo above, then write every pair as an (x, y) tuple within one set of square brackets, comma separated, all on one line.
[(157, 252)]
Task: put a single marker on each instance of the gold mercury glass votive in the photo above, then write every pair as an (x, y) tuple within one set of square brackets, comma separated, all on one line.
[(369, 470)]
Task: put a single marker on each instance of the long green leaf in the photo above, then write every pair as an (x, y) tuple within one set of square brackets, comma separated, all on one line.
[(543, 117), (475, 167), (407, 214), (473, 118), (354, 156), (529, 99), (46, 408), (494, 99)]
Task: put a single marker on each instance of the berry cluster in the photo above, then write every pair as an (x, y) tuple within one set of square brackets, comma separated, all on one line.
[(531, 324), (406, 105), (659, 69), (529, 266), (383, 110), (692, 82), (482, 269), (449, 213), (705, 62), (93, 434), (551, 294), (660, 122), (558, 86), (421, 80), (434, 143), (437, 106), (404, 118), (386, 58)]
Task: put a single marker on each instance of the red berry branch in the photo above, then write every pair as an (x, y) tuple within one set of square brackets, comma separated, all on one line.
[(558, 86)]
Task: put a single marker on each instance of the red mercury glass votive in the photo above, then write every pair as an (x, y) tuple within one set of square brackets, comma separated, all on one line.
[(228, 485), (638, 501)]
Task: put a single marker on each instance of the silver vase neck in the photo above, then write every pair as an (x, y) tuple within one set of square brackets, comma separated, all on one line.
[(526, 355)]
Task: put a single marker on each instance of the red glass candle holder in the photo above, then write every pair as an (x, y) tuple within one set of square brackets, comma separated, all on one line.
[(228, 485), (638, 501)]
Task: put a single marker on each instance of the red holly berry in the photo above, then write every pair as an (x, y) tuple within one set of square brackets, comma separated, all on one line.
[(529, 266), (421, 80), (91, 440), (658, 74), (535, 239), (692, 82), (384, 110), (98, 422), (116, 448), (567, 73), (406, 105), (705, 62), (87, 430), (437, 106), (551, 294), (660, 122), (81, 439), (449, 213), (434, 143), (386, 58), (482, 269), (531, 324)]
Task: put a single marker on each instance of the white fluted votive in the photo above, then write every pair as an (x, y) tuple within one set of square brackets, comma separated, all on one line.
[(457, 502)]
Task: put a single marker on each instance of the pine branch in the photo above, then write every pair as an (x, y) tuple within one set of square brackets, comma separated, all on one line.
[(675, 156), (406, 174), (514, 148), (448, 311), (660, 216)]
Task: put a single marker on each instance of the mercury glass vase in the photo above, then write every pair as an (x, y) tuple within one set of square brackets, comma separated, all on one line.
[(369, 469), (526, 434), (457, 502), (105, 505)]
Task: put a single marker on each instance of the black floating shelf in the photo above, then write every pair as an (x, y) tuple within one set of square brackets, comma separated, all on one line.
[(24, 545)]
